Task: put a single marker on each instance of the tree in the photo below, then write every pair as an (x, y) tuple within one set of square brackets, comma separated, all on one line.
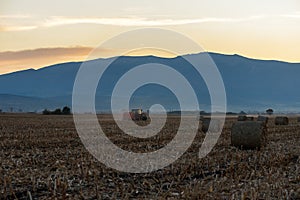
[(57, 111), (46, 112), (66, 110), (270, 111), (202, 112), (243, 113)]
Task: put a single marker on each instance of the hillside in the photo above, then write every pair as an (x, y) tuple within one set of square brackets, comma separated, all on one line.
[(250, 84)]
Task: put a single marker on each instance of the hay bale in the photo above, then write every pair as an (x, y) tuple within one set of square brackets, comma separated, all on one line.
[(247, 135), (263, 119), (281, 120), (298, 119), (250, 119), (243, 118), (213, 123)]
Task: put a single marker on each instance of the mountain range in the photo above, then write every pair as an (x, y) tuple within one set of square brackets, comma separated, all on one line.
[(250, 84)]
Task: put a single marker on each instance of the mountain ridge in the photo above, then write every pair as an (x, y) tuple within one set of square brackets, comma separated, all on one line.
[(210, 53), (250, 84)]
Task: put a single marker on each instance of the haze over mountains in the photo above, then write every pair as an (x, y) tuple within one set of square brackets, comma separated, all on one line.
[(250, 84)]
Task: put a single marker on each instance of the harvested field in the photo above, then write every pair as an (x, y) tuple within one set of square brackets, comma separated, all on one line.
[(43, 157)]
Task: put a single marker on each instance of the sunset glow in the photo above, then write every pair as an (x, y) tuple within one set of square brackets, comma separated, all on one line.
[(34, 34)]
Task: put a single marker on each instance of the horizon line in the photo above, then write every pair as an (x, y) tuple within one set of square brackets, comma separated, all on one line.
[(146, 55)]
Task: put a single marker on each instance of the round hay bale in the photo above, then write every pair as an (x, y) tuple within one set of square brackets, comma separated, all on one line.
[(242, 118), (250, 119), (213, 123), (263, 119), (281, 120), (247, 135)]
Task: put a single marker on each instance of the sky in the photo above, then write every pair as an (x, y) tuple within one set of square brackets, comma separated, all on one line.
[(35, 33)]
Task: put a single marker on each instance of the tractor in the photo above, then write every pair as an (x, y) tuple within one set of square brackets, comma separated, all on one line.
[(138, 115)]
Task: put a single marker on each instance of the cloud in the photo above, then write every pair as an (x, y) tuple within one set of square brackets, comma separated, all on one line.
[(11, 61), (125, 21), (295, 16), (58, 21), (15, 16), (17, 28), (14, 22), (43, 52)]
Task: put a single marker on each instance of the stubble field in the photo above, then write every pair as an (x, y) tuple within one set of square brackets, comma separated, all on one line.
[(42, 157)]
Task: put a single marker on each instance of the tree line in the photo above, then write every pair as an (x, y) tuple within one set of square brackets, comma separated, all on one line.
[(65, 111)]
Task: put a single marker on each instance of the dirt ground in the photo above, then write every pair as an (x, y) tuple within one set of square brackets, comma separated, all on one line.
[(42, 157)]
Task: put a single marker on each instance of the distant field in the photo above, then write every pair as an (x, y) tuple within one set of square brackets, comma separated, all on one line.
[(42, 156)]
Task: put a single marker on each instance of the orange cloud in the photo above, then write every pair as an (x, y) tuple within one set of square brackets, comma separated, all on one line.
[(11, 61)]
